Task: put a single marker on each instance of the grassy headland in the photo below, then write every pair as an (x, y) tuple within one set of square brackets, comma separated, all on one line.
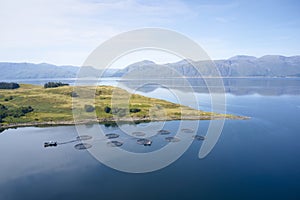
[(53, 106)]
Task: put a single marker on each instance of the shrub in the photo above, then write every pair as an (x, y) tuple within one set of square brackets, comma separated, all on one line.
[(9, 98), (74, 94), (121, 112), (134, 110), (14, 112), (89, 108), (107, 109), (54, 84)]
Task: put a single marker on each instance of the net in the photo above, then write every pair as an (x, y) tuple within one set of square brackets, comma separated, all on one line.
[(114, 143), (198, 137), (138, 133), (144, 141), (172, 139), (163, 132), (84, 137), (82, 146), (111, 135), (187, 130)]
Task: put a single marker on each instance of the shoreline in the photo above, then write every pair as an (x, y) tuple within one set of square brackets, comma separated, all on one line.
[(114, 121)]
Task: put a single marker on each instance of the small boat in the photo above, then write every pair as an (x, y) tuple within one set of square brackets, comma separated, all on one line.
[(50, 144)]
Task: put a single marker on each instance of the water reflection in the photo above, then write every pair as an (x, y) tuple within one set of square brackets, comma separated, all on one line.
[(235, 86)]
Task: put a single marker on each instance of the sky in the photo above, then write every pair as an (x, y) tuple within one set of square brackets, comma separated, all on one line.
[(65, 32)]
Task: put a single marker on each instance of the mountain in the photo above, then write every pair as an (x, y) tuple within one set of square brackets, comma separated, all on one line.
[(13, 71), (35, 71), (237, 66)]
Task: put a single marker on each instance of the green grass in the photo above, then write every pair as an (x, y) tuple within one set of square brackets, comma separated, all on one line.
[(55, 104)]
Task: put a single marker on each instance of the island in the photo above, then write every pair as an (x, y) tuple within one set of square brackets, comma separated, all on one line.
[(34, 105)]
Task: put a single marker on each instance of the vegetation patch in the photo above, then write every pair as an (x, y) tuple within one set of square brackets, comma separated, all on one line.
[(15, 112), (54, 84), (5, 85)]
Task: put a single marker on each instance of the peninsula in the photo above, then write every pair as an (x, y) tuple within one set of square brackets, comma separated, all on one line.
[(32, 105)]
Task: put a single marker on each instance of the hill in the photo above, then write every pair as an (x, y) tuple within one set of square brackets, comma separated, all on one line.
[(15, 71)]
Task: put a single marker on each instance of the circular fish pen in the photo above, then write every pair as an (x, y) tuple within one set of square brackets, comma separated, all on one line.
[(144, 141), (111, 135), (187, 130), (172, 139), (114, 143), (138, 133), (163, 132), (82, 146), (84, 137), (198, 137)]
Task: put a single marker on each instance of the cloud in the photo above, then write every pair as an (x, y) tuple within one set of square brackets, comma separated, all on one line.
[(76, 25)]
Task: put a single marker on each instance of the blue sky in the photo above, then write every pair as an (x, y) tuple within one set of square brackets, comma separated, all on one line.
[(67, 31)]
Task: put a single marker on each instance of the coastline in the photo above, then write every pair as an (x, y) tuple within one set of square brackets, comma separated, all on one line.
[(113, 121)]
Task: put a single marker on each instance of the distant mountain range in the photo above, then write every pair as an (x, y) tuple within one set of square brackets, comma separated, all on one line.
[(238, 66), (15, 71)]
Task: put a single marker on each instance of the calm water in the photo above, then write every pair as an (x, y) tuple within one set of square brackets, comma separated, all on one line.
[(253, 159)]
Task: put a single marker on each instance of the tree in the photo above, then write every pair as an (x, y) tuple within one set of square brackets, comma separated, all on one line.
[(5, 85), (54, 84)]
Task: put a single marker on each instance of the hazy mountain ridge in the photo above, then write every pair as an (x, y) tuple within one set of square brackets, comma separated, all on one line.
[(30, 71), (46, 71), (237, 66)]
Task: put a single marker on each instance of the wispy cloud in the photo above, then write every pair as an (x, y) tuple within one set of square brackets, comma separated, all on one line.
[(77, 25), (66, 31)]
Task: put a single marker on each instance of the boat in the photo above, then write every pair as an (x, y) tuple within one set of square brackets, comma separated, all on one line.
[(50, 144)]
